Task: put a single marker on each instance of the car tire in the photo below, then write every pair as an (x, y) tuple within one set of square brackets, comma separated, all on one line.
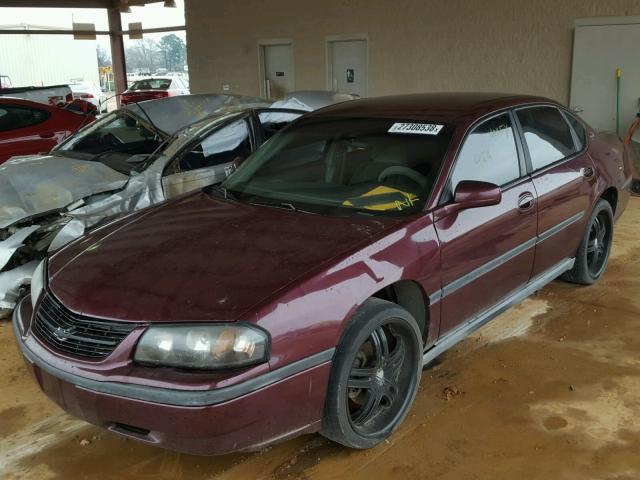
[(374, 377), (593, 254)]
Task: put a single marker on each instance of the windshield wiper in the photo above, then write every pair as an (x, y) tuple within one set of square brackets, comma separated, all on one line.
[(283, 205), (227, 194), (104, 154)]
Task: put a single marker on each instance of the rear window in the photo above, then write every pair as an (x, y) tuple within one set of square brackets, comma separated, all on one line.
[(80, 87), (151, 84)]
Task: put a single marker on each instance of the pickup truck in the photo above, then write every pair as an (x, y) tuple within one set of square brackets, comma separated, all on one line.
[(54, 95)]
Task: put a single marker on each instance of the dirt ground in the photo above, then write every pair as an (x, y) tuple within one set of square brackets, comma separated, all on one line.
[(549, 390)]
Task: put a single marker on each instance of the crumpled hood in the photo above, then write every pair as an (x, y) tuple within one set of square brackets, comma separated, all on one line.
[(37, 184), (199, 259)]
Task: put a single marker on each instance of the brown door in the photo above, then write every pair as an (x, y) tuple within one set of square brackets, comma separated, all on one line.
[(278, 70)]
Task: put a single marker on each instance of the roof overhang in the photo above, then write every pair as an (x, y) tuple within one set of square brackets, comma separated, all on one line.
[(75, 3)]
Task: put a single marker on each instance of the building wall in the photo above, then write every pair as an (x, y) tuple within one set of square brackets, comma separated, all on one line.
[(414, 45), (35, 60)]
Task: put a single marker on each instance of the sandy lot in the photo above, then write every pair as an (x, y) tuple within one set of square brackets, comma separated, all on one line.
[(549, 390)]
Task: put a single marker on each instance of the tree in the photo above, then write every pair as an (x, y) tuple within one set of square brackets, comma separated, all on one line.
[(104, 58), (173, 51), (142, 55)]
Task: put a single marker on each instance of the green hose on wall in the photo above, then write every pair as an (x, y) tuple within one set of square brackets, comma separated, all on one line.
[(618, 82)]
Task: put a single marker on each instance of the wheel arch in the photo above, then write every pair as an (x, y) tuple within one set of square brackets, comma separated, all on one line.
[(410, 295), (611, 196)]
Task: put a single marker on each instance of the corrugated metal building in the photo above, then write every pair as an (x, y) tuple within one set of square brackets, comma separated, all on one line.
[(46, 59)]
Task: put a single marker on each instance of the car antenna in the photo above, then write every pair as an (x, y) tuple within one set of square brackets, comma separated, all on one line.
[(148, 117)]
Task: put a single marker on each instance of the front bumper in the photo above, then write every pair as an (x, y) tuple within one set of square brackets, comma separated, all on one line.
[(247, 416)]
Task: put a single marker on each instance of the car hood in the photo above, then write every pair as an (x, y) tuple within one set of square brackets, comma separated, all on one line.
[(37, 184), (199, 259)]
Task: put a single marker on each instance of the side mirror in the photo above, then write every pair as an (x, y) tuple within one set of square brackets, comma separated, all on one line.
[(472, 194)]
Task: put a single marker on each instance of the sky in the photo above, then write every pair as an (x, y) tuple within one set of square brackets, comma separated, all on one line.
[(153, 15)]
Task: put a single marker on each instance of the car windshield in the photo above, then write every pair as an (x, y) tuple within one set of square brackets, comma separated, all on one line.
[(151, 84), (345, 166), (120, 140)]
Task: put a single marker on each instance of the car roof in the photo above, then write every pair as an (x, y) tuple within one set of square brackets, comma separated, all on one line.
[(452, 108), (172, 114), (21, 101)]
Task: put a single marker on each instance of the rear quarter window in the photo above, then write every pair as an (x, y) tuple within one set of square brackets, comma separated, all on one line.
[(579, 130)]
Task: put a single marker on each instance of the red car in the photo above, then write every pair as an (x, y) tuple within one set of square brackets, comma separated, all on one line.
[(307, 292), (154, 88), (29, 128)]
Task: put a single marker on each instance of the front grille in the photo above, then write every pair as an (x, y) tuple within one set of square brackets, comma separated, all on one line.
[(77, 334)]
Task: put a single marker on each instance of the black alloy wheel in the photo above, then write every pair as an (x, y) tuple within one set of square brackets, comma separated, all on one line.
[(375, 375), (592, 256), (598, 244), (377, 385)]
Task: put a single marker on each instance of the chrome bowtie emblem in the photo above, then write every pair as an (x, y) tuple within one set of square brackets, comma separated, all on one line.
[(61, 334)]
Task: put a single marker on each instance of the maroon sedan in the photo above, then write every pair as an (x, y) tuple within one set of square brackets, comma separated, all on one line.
[(306, 293), (154, 88)]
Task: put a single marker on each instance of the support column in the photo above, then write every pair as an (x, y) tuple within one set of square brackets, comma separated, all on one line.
[(117, 51)]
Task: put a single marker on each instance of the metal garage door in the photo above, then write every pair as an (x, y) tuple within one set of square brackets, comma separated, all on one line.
[(601, 47)]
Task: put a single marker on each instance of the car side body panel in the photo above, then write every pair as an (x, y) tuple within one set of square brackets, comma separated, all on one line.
[(470, 240), (565, 196), (316, 310), (613, 167)]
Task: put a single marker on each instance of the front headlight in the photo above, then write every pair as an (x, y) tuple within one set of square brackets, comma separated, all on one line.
[(37, 283), (203, 347)]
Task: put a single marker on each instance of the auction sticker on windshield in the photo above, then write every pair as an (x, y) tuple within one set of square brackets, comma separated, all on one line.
[(416, 128)]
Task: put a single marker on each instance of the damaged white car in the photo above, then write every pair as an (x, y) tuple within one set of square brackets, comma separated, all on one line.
[(130, 159)]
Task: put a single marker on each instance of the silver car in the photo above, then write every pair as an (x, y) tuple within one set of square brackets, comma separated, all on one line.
[(127, 160)]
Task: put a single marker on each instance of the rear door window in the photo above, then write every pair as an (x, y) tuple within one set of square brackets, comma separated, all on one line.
[(547, 135), (489, 154), (219, 148)]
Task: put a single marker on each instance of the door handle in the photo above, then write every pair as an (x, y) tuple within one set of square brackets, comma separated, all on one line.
[(588, 172), (526, 201)]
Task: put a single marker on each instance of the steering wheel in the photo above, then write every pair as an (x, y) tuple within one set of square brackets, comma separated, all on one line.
[(110, 140), (405, 172)]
